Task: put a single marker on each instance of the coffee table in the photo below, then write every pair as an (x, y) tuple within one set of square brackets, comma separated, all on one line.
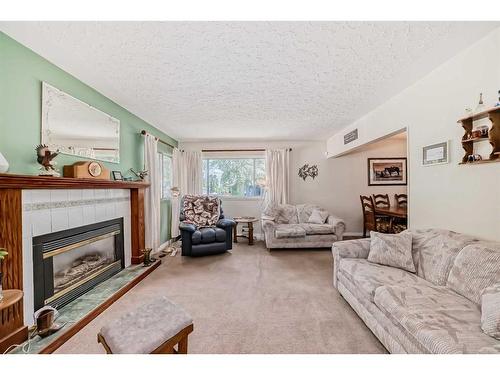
[(248, 220)]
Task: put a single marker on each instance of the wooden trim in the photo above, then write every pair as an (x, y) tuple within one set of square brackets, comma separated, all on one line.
[(15, 181), (137, 225), (50, 348), (17, 337), (11, 237)]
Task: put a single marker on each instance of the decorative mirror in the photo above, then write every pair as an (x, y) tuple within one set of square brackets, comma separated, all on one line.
[(73, 127)]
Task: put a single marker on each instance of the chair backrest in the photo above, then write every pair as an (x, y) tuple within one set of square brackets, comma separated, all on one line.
[(381, 200), (368, 208), (401, 200)]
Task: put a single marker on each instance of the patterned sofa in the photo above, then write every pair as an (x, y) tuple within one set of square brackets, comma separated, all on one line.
[(286, 226), (435, 310)]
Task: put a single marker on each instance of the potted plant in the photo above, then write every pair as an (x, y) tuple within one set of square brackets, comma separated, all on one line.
[(3, 254)]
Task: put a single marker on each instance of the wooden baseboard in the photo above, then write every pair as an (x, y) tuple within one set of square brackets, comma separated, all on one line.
[(50, 348), (17, 337)]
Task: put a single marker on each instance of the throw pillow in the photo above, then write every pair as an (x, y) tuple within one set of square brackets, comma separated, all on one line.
[(490, 311), (392, 250), (318, 217)]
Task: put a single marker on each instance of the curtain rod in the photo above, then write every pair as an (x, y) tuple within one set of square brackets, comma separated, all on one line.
[(144, 132), (239, 150)]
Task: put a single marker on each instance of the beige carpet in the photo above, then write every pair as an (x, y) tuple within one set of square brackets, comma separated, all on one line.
[(249, 301)]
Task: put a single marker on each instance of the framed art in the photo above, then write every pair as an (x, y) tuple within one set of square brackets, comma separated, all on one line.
[(435, 154), (387, 171), (117, 176)]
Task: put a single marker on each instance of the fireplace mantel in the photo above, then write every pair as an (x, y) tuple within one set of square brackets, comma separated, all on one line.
[(12, 328), (17, 181)]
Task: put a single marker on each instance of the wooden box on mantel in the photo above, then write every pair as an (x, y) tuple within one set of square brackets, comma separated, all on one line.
[(86, 169)]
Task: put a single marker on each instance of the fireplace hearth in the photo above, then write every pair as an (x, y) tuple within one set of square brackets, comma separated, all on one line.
[(68, 263)]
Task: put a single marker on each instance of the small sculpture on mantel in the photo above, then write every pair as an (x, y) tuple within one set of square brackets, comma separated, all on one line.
[(141, 174), (45, 158)]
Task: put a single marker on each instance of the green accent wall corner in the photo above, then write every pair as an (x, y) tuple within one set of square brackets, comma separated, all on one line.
[(22, 72)]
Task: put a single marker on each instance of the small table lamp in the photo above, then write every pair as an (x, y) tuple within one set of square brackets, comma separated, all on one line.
[(4, 165)]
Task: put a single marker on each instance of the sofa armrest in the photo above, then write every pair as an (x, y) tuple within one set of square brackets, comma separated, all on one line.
[(226, 223), (187, 227), (348, 249), (267, 223), (338, 226)]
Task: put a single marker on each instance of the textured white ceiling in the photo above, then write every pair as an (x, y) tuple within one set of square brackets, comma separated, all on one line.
[(254, 80)]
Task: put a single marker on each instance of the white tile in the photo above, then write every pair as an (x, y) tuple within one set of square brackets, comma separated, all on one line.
[(26, 196), (75, 217), (109, 193), (110, 210), (100, 213), (88, 214), (75, 195), (60, 220), (27, 224), (100, 193), (127, 241), (41, 222), (122, 209), (40, 196), (88, 194), (28, 286), (58, 195)]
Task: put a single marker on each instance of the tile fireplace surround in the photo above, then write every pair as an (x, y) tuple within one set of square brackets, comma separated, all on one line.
[(32, 206), (48, 211)]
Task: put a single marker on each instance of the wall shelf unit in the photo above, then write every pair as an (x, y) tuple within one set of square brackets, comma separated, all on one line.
[(493, 137)]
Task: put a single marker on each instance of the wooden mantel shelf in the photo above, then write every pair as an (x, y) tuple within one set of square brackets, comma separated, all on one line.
[(16, 181)]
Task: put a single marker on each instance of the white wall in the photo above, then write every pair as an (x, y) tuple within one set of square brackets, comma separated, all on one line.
[(337, 187), (461, 198)]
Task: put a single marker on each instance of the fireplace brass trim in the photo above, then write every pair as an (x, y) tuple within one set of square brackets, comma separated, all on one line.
[(81, 282), (50, 254)]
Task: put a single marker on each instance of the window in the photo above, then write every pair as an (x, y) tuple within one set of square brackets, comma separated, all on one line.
[(166, 174), (234, 177)]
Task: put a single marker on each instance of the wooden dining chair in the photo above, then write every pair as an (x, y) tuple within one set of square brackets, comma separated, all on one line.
[(400, 224), (370, 221), (401, 200), (381, 200)]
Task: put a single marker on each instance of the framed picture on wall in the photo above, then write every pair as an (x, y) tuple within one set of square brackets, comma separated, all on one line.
[(438, 153), (387, 171)]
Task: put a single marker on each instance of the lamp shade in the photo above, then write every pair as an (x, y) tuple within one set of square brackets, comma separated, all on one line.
[(4, 165)]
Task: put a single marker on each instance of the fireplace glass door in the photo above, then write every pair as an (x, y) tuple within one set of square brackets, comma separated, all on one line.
[(73, 261)]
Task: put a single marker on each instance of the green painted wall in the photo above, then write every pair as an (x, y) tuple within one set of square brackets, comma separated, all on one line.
[(21, 74)]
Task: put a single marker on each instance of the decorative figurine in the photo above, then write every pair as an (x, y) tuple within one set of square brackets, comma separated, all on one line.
[(148, 260), (45, 157), (141, 174)]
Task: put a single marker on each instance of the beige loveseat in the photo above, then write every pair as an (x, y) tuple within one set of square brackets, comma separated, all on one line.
[(287, 226), (435, 310)]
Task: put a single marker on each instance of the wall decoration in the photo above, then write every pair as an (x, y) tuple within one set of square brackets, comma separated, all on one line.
[(141, 174), (435, 154), (387, 171), (308, 171), (4, 164)]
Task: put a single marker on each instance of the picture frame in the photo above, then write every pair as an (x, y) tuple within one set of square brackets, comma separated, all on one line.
[(117, 175), (436, 154), (387, 171)]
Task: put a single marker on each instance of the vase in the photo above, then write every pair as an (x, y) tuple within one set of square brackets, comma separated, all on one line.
[(4, 165)]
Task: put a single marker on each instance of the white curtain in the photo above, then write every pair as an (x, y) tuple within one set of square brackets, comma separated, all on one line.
[(187, 176), (277, 176), (152, 195)]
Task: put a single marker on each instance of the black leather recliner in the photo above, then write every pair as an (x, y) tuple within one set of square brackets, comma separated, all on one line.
[(206, 241)]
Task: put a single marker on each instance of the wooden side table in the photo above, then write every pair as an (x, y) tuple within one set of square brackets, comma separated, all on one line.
[(10, 297), (249, 222)]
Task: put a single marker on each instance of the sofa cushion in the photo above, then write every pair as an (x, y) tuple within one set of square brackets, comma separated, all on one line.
[(318, 216), (490, 311), (475, 268), (317, 228), (367, 277), (439, 319), (289, 231), (287, 214), (392, 250), (304, 211), (434, 252), (208, 235)]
